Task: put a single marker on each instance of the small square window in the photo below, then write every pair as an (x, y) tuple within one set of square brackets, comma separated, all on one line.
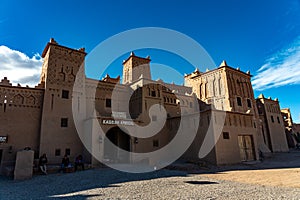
[(57, 152), (65, 94), (155, 143), (108, 103), (154, 118), (67, 152), (239, 101), (272, 118), (278, 120), (249, 103), (226, 135), (153, 93), (64, 122)]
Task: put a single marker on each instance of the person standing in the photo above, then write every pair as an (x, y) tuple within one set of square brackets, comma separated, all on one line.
[(42, 163)]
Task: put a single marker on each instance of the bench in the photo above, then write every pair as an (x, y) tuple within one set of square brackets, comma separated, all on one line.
[(51, 169), (69, 169)]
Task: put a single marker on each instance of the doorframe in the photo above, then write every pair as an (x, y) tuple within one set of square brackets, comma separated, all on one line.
[(252, 147), (1, 156), (117, 135)]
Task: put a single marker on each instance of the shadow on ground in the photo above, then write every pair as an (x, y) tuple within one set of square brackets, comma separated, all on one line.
[(63, 184), (201, 182), (70, 185)]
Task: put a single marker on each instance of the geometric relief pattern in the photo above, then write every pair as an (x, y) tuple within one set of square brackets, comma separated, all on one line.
[(51, 74), (61, 76), (30, 100), (71, 78), (18, 99)]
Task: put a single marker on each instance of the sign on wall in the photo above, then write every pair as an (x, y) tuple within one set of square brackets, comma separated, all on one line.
[(117, 122), (120, 115)]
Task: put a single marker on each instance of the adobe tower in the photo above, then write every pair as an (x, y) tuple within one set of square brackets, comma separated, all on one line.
[(59, 70), (134, 67)]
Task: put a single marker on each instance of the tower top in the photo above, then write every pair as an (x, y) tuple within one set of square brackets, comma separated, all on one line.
[(135, 68), (223, 64), (134, 57), (52, 42), (261, 96), (109, 79)]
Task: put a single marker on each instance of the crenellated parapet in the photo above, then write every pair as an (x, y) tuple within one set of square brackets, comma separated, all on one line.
[(5, 82), (20, 97)]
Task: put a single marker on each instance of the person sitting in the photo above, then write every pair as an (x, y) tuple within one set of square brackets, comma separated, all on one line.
[(42, 163), (79, 162), (65, 163)]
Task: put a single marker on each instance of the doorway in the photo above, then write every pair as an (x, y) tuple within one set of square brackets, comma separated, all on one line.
[(120, 139), (246, 145), (1, 152)]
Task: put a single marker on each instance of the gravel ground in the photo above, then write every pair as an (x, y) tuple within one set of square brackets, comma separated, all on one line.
[(111, 184), (106, 183)]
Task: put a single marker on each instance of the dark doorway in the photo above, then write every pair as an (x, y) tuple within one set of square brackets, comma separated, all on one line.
[(120, 139), (1, 151)]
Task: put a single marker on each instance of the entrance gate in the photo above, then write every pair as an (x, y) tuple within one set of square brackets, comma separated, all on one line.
[(120, 139), (246, 147)]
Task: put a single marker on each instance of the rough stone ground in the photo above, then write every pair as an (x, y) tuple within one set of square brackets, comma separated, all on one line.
[(227, 182)]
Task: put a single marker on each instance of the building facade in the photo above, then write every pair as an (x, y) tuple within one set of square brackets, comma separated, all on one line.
[(42, 118), (272, 124), (292, 129), (229, 90)]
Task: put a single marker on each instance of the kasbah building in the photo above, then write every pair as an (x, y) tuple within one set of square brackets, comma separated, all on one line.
[(41, 118)]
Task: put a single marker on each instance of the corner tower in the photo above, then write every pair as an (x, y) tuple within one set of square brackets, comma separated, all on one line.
[(134, 67), (59, 70)]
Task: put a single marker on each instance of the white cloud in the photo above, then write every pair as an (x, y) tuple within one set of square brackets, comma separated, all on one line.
[(282, 68), (19, 68)]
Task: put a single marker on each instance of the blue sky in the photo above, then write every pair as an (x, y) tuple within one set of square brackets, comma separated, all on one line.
[(260, 36)]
